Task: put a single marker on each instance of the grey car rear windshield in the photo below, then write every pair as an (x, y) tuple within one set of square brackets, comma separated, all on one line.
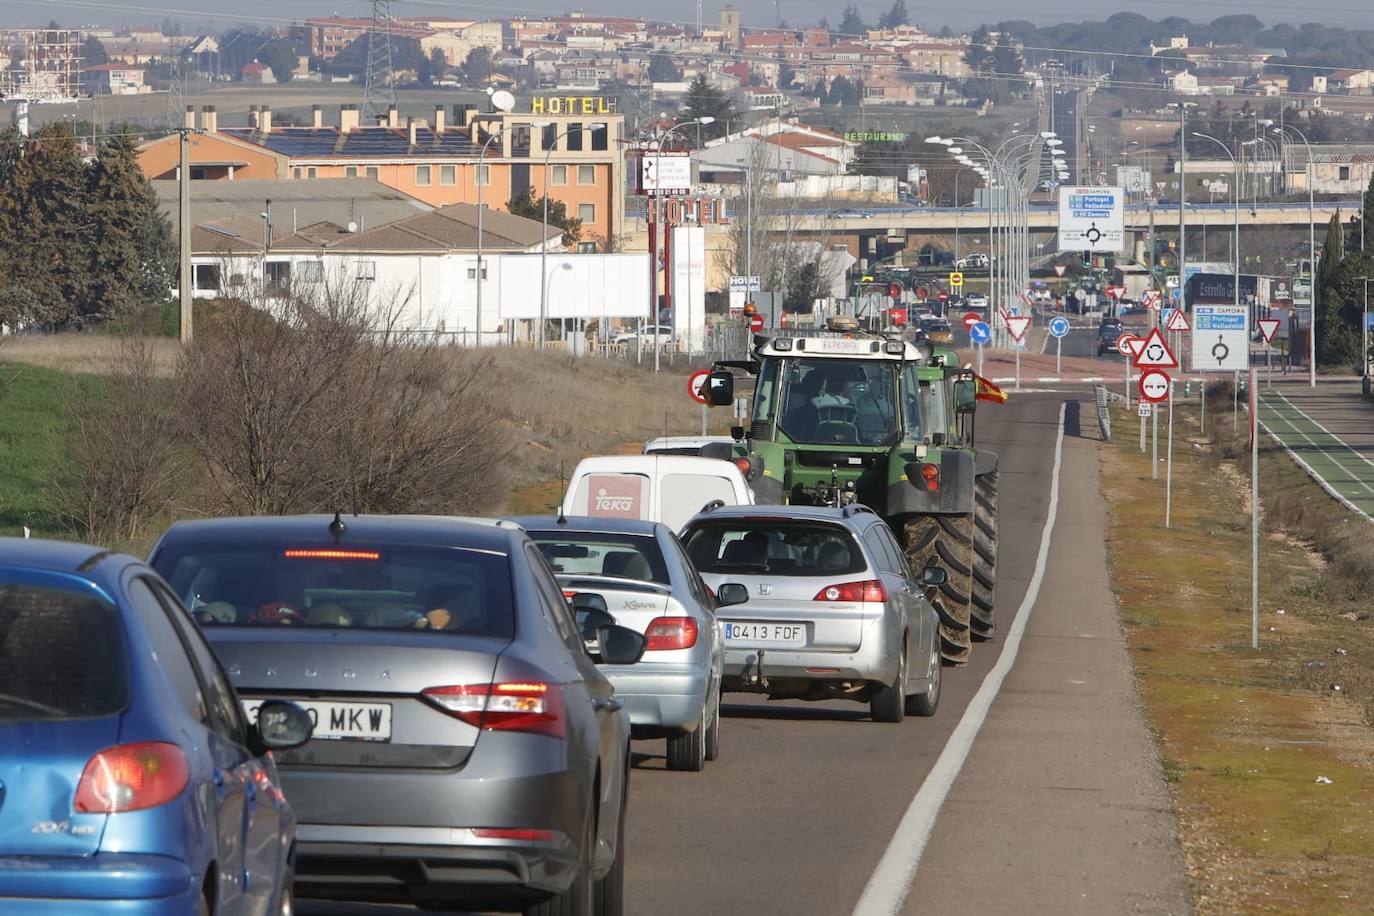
[(60, 655), (600, 553), (774, 547), (400, 587)]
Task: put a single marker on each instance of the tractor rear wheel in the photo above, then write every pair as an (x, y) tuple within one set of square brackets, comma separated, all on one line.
[(983, 609), (946, 541)]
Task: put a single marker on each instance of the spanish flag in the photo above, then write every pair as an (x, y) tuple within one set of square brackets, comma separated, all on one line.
[(987, 391)]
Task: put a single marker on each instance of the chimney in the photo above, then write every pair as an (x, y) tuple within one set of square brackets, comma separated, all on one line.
[(209, 119), (466, 113), (348, 119), (265, 119), (410, 129), (253, 116), (317, 116), (190, 122), (439, 120), (393, 117)]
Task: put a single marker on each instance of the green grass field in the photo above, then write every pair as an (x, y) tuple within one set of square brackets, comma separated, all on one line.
[(34, 434)]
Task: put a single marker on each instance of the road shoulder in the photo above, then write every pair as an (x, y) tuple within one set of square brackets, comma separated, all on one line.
[(1061, 806)]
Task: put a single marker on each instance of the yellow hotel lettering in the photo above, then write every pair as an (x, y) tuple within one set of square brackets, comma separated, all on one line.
[(571, 105)]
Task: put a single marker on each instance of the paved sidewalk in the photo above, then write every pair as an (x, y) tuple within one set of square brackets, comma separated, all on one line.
[(1329, 432), (1061, 807)]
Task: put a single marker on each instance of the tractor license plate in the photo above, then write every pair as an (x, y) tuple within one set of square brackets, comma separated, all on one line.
[(765, 634)]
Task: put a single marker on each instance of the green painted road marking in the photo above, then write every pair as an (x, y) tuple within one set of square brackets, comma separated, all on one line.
[(1341, 470)]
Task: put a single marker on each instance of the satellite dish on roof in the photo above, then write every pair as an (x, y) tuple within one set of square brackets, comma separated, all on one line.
[(502, 100)]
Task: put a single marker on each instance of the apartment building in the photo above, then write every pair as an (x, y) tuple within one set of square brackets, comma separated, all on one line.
[(437, 159)]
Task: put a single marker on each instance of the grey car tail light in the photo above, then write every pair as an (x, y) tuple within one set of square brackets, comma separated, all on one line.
[(871, 590), (533, 707)]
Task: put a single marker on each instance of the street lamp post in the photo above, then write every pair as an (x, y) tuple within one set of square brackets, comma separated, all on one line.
[(1235, 207), (544, 248), (1311, 257), (480, 165)]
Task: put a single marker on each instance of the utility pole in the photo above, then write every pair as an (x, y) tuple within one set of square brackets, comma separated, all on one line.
[(187, 280), (379, 83)]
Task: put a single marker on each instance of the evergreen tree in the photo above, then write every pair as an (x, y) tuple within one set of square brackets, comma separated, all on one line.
[(1333, 344), (93, 52), (897, 16), (662, 69), (979, 53), (705, 101), (44, 233), (132, 255), (851, 23), (531, 207)]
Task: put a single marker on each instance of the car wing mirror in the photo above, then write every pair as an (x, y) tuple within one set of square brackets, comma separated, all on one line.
[(618, 645), (281, 726), (933, 577), (590, 620), (731, 594)]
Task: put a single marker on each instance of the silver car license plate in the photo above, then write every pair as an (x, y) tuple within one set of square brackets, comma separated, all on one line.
[(339, 721), (765, 634)]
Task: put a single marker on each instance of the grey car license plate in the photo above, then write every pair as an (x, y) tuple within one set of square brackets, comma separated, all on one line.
[(339, 721), (765, 634)]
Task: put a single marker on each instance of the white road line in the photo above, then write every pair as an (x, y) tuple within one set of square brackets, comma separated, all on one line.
[(891, 881)]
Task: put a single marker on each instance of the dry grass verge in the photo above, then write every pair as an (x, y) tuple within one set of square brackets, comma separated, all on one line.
[(1246, 734), (85, 354)]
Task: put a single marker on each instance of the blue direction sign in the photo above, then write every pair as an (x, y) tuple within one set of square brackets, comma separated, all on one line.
[(980, 333), (1164, 316), (1059, 326)]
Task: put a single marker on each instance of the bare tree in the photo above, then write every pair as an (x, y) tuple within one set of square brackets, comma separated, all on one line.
[(125, 464), (315, 398)]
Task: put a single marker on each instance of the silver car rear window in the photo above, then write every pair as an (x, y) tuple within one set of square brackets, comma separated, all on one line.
[(396, 587), (60, 655), (775, 547), (600, 553)]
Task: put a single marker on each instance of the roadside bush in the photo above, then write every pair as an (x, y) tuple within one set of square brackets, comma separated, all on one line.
[(124, 465), (315, 402)]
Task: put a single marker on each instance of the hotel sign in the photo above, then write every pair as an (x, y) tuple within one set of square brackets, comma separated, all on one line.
[(572, 105)]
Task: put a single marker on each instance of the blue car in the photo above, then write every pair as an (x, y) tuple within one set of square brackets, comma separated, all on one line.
[(130, 781)]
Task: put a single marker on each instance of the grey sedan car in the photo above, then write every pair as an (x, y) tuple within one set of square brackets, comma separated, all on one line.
[(468, 752), (832, 610), (648, 585)]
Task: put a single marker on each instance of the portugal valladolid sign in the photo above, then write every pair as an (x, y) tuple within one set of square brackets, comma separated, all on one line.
[(1092, 219)]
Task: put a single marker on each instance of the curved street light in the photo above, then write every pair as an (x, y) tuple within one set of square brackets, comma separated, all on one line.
[(544, 248), (1311, 255)]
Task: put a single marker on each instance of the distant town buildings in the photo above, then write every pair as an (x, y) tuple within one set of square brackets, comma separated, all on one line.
[(40, 64)]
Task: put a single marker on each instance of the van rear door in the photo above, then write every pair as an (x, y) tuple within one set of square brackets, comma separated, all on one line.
[(611, 495)]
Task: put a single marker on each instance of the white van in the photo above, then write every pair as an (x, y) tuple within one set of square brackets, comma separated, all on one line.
[(659, 488)]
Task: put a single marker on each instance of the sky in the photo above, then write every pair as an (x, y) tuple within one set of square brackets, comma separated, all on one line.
[(756, 12)]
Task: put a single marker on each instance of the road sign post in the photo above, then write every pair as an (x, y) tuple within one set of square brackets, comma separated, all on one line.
[(979, 333), (1017, 325), (1169, 466), (1059, 327), (1267, 327), (1254, 511)]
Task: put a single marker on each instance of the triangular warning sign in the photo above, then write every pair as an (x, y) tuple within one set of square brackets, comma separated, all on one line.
[(1177, 321), (1267, 328), (1016, 326), (1155, 353)]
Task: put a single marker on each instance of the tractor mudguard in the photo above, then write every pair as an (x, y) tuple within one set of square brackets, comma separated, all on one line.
[(987, 462), (953, 497)]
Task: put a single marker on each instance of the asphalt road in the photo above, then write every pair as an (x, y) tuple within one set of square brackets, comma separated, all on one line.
[(805, 796)]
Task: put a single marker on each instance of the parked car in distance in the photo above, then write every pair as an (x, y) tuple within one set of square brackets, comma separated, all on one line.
[(130, 781), (657, 488), (972, 262), (469, 754), (647, 584), (824, 607), (699, 446), (664, 332)]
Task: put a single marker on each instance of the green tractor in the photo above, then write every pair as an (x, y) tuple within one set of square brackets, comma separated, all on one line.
[(840, 418)]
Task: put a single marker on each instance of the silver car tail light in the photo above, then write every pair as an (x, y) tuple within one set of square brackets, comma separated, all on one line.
[(872, 590), (522, 706)]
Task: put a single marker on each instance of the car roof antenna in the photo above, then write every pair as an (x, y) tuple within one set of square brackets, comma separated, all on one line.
[(337, 527), (563, 481)]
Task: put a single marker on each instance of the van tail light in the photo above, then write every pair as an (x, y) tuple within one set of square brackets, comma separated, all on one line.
[(872, 590), (514, 706), (519, 834), (664, 633), (930, 474), (131, 777)]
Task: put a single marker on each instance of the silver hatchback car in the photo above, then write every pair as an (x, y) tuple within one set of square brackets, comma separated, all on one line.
[(647, 583), (832, 610)]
